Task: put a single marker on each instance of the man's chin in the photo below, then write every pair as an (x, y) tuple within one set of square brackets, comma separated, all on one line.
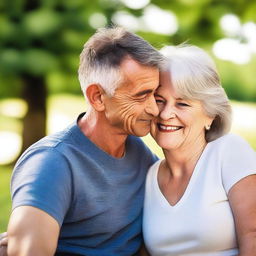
[(141, 133)]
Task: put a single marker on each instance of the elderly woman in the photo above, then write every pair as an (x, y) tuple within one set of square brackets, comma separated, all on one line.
[(201, 199)]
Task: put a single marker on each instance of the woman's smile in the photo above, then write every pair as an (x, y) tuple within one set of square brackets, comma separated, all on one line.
[(168, 128)]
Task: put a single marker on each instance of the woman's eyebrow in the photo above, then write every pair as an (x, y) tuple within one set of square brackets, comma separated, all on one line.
[(156, 94)]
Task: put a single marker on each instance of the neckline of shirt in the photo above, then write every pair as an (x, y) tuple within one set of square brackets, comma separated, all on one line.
[(162, 199)]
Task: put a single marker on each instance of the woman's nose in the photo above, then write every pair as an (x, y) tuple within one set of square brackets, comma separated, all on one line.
[(167, 113)]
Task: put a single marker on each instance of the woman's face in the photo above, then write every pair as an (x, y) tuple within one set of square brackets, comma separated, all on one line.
[(181, 122)]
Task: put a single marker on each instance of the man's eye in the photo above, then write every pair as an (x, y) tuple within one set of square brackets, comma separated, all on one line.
[(158, 101), (143, 97)]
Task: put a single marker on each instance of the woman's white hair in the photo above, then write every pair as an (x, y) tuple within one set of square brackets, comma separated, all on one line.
[(194, 76)]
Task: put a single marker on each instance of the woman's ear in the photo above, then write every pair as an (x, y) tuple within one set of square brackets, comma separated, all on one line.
[(94, 94), (209, 123)]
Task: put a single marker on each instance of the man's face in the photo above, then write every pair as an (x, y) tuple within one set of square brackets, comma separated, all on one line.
[(131, 109)]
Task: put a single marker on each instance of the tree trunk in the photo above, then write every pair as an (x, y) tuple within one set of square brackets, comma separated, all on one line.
[(34, 122)]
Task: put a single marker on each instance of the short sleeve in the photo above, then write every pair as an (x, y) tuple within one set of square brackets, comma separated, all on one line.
[(238, 160), (42, 179)]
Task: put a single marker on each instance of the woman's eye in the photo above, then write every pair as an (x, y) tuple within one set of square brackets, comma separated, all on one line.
[(159, 101), (182, 104)]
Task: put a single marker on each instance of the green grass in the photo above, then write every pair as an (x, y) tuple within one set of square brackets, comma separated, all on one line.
[(67, 107), (5, 201)]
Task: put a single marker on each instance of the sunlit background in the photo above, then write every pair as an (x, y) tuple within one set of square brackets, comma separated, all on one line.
[(40, 42)]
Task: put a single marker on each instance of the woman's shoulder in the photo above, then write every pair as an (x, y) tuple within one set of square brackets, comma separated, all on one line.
[(154, 167), (237, 159), (232, 148), (231, 141)]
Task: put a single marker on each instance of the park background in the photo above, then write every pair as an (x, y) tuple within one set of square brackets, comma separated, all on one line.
[(40, 43)]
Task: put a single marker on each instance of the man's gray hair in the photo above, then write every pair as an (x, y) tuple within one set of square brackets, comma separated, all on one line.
[(194, 76), (103, 53)]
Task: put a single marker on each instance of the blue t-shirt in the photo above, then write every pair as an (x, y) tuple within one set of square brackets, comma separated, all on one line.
[(96, 199)]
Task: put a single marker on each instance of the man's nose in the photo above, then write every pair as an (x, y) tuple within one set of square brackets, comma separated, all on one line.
[(152, 107)]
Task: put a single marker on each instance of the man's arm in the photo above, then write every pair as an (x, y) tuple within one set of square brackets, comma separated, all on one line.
[(3, 244), (32, 231)]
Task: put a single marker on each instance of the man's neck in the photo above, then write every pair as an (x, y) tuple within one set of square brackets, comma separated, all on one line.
[(96, 128)]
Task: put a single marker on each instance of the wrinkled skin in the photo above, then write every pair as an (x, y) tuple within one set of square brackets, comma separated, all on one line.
[(131, 109), (181, 122)]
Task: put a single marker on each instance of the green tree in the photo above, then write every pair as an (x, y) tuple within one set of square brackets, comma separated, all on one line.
[(40, 42)]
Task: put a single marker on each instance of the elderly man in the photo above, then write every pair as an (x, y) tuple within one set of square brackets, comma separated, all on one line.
[(80, 191)]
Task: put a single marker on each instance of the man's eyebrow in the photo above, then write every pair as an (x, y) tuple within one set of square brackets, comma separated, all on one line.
[(143, 92)]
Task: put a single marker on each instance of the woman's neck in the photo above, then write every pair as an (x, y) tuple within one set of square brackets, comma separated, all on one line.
[(183, 160)]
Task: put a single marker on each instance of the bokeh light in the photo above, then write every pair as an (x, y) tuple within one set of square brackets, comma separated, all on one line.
[(97, 20), (249, 32), (126, 20), (16, 108), (159, 21), (240, 42), (232, 50), (230, 24), (10, 146), (136, 4)]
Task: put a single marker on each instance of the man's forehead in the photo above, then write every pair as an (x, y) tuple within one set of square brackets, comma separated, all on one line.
[(137, 79), (129, 65)]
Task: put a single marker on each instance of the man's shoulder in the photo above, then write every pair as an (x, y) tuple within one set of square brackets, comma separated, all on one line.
[(49, 144), (56, 138), (136, 141), (137, 144), (141, 149)]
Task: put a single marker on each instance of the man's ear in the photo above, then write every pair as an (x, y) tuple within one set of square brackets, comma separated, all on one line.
[(94, 93)]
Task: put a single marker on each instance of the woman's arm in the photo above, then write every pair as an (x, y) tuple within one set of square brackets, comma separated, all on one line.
[(242, 198)]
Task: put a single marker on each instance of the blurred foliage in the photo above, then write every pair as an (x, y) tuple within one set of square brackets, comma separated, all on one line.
[(40, 43), (5, 200), (45, 37), (41, 38)]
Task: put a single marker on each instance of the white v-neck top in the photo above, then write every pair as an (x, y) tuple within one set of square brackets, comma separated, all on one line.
[(201, 222)]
